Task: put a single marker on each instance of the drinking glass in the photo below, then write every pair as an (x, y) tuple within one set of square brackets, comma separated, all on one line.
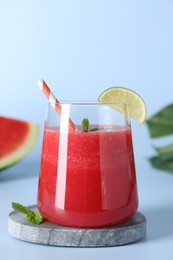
[(87, 175)]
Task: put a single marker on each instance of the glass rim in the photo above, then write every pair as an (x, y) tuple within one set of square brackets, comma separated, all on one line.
[(87, 103), (118, 107)]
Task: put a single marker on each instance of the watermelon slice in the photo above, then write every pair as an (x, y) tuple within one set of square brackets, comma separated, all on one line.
[(17, 138)]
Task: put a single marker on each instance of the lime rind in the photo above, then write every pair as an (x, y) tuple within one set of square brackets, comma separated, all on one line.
[(136, 105)]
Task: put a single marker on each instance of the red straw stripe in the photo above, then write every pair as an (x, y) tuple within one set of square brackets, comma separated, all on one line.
[(45, 89), (54, 101)]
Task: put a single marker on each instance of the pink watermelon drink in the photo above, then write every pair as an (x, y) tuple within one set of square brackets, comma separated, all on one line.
[(87, 179)]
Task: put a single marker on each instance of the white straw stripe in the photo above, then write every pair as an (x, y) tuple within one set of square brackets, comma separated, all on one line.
[(40, 83), (62, 158), (52, 98)]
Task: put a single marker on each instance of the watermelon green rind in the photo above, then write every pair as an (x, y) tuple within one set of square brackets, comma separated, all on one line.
[(23, 150)]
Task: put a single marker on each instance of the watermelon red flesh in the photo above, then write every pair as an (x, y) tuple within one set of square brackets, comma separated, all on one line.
[(17, 138), (12, 134)]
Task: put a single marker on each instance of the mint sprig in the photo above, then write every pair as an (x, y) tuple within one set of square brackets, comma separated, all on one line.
[(85, 125), (32, 217)]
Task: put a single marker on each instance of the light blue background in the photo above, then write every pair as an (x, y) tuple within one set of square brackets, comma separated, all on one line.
[(80, 48)]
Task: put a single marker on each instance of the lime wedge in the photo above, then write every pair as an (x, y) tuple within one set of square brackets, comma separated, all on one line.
[(135, 104)]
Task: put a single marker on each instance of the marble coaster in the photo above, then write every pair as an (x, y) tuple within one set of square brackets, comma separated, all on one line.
[(52, 234)]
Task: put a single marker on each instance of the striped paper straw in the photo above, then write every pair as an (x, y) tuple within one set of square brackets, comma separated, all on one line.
[(53, 101)]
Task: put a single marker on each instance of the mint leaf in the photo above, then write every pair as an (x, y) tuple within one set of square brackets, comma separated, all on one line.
[(85, 125), (32, 217), (38, 218), (96, 129), (19, 207)]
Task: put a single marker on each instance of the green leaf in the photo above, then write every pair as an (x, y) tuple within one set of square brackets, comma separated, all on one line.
[(32, 217), (19, 207), (95, 129), (165, 151), (38, 218), (161, 124), (85, 125), (162, 163)]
